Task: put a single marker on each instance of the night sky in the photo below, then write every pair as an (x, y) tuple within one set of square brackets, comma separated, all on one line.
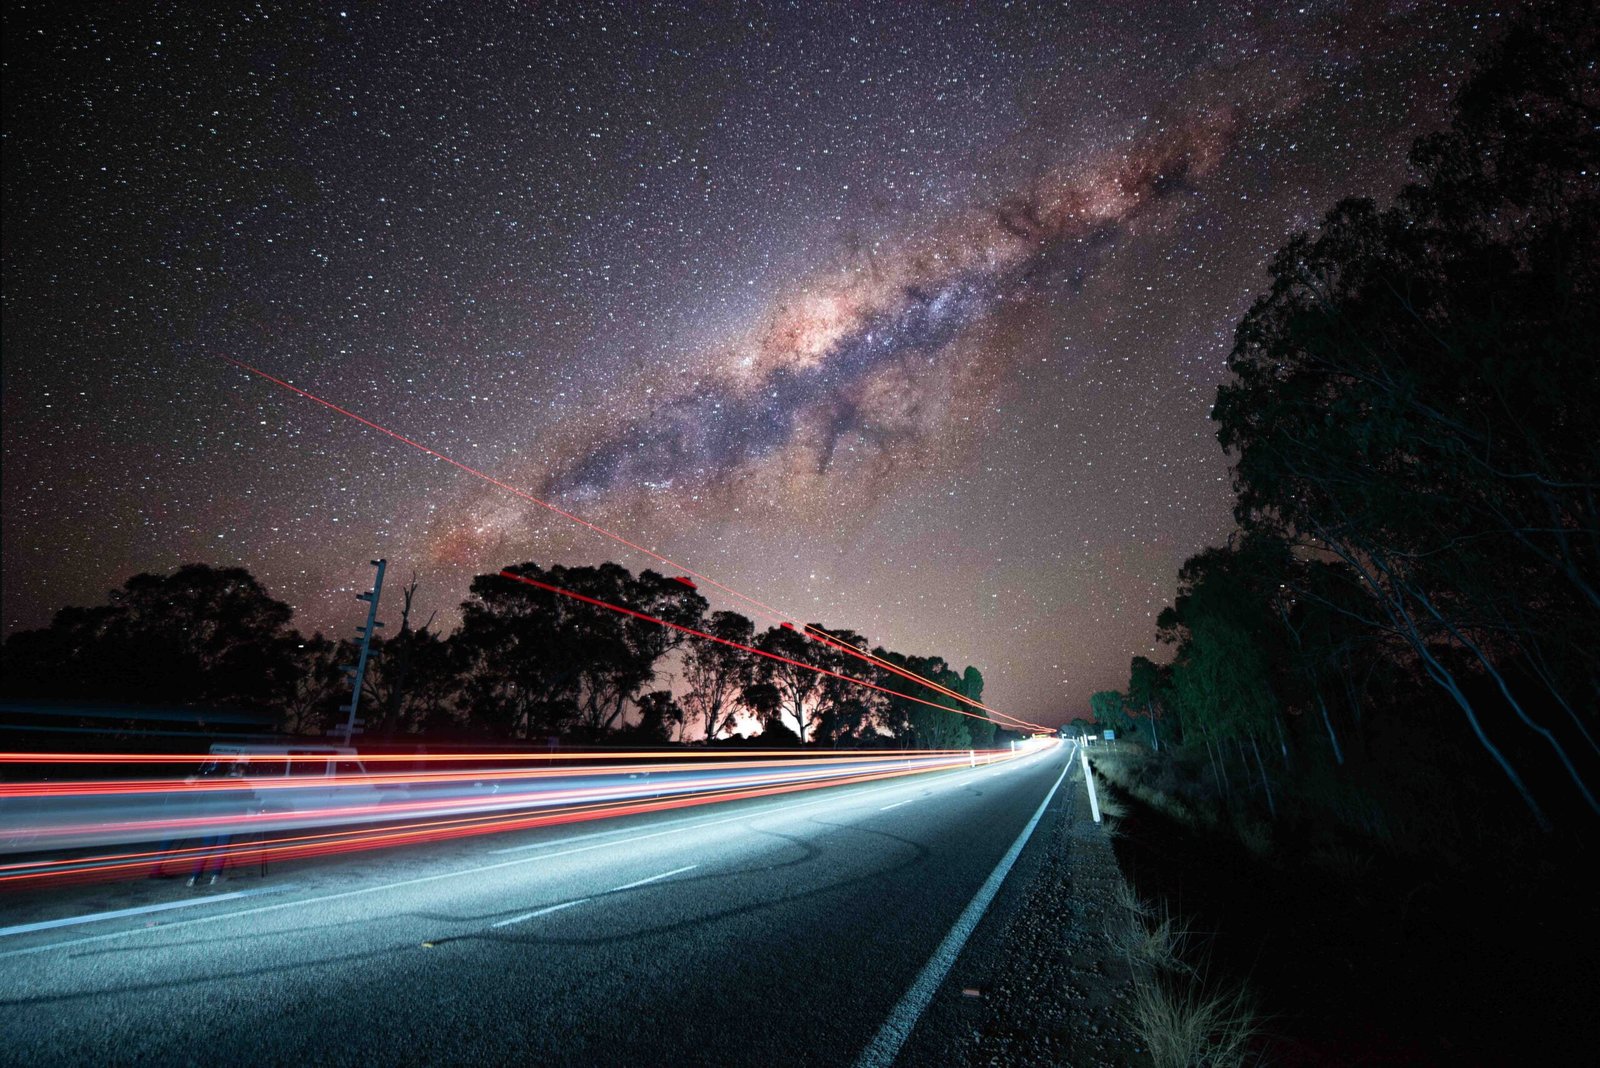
[(905, 318)]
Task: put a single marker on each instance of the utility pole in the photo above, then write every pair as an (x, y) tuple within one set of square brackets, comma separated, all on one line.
[(359, 668)]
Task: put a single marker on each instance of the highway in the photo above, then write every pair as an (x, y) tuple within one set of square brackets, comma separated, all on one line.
[(801, 929)]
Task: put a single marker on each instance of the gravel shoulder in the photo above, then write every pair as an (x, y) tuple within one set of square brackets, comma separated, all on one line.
[(1043, 981)]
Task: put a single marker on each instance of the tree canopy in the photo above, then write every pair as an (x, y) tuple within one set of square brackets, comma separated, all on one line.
[(1409, 413)]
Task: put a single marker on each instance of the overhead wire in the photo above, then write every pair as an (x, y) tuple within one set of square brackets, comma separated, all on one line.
[(636, 614)]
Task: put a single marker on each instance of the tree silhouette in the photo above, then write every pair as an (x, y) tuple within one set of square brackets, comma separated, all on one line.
[(1415, 397), (717, 674), (796, 686), (199, 636)]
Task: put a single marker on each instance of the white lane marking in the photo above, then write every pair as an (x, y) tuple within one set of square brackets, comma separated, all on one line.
[(540, 912), (628, 886), (654, 878), (903, 1017), (777, 809), (897, 804), (782, 810), (95, 917)]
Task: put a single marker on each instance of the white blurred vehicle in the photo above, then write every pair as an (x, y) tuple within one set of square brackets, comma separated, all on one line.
[(295, 778)]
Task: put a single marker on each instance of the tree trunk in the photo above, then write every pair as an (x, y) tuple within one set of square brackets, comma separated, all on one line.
[(1442, 676), (1394, 606), (1217, 770), (1333, 738), (1516, 706)]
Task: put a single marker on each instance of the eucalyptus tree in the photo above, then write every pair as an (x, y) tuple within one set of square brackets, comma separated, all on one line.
[(716, 672), (535, 659), (917, 712), (1415, 397), (788, 672), (199, 635)]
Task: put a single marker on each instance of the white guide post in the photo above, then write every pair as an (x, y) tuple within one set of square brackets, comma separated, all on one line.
[(1088, 780)]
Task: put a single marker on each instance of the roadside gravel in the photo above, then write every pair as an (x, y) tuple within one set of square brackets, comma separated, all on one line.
[(1059, 983)]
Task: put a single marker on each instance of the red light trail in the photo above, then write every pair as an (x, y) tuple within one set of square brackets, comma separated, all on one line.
[(370, 758), (445, 805)]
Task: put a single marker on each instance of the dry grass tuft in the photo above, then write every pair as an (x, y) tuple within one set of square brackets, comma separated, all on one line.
[(1180, 1017), (1185, 1027), (1158, 942), (1151, 937), (1130, 902), (1111, 808)]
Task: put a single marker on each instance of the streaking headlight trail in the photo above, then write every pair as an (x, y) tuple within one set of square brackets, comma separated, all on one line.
[(312, 804)]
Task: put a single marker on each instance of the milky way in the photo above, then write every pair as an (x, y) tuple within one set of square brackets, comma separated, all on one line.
[(902, 319), (860, 362)]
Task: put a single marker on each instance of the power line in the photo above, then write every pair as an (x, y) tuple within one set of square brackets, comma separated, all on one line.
[(636, 614)]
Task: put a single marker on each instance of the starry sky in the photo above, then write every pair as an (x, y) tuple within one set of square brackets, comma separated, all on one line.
[(899, 317)]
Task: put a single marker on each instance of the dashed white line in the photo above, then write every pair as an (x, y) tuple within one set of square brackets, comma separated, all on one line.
[(654, 878), (539, 912), (115, 914), (897, 804), (547, 910), (777, 810)]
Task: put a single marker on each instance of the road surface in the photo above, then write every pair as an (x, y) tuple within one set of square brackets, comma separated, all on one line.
[(776, 931)]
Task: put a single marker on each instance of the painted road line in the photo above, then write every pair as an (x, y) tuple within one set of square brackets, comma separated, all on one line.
[(777, 811), (114, 914), (568, 904), (897, 804), (654, 878), (540, 912), (903, 1017), (780, 811)]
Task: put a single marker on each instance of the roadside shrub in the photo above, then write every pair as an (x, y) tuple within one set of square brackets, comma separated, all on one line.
[(1183, 1026)]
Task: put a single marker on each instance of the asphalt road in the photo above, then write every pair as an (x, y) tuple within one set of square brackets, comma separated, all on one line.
[(778, 931)]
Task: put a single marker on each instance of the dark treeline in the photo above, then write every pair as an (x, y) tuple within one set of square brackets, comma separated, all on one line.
[(524, 665), (1407, 616)]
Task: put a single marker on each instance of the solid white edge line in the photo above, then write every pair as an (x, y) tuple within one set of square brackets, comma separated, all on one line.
[(885, 1045), (653, 878), (539, 912), (95, 917)]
